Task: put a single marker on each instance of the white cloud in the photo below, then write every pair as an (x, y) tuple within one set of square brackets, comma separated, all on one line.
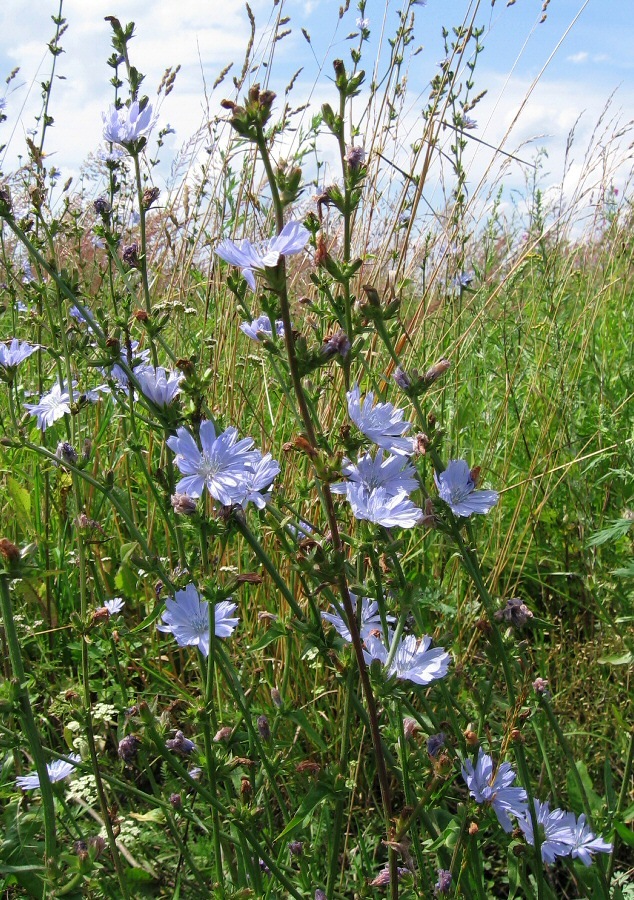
[(580, 57)]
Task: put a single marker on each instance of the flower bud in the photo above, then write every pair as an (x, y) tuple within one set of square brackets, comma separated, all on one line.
[(223, 734), (130, 255), (150, 196), (437, 370), (176, 801), (264, 729), (102, 207), (183, 504), (129, 747)]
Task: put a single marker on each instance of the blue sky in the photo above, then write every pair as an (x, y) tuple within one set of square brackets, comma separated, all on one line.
[(593, 60)]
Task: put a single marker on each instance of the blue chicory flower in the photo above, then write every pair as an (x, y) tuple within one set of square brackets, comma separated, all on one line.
[(381, 422), (264, 254), (187, 618), (57, 771), (485, 787), (457, 488), (412, 661)]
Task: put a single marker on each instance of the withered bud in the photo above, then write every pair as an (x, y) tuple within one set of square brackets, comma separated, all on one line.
[(223, 734), (437, 370), (420, 443), (337, 343), (475, 474), (296, 848), (141, 315), (97, 844), (515, 613), (229, 104), (130, 255), (540, 685), (87, 450), (102, 207), (435, 743), (517, 736), (81, 849), (100, 615), (276, 697), (246, 789), (129, 747), (180, 744), (176, 801), (471, 738), (5, 200), (402, 379), (410, 727), (383, 877), (263, 729), (66, 452), (10, 552), (249, 578), (355, 157), (150, 196), (183, 505), (308, 766), (473, 828), (339, 67)]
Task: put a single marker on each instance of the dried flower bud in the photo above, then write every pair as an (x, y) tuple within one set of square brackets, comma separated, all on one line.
[(81, 849), (517, 736), (176, 801), (180, 744), (10, 552), (150, 196), (402, 379), (473, 828), (308, 766), (66, 452), (87, 449), (515, 613), (420, 443), (183, 504), (130, 255), (410, 726), (435, 743), (540, 685), (129, 747), (296, 848), (97, 844), (383, 877), (141, 315), (471, 738), (437, 370), (263, 729), (337, 343), (223, 734), (355, 157), (246, 790), (276, 697), (102, 207)]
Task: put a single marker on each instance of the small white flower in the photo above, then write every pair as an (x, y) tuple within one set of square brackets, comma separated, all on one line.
[(115, 605), (52, 406), (127, 125)]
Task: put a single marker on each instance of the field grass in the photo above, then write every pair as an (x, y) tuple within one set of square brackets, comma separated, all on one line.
[(310, 772)]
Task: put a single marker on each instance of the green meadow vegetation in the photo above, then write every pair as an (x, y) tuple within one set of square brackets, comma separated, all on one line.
[(423, 431)]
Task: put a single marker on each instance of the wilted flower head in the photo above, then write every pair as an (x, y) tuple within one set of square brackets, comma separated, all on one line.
[(402, 379), (180, 744), (261, 327), (355, 157), (412, 661), (102, 207), (129, 747), (337, 343), (127, 125), (183, 504), (51, 406), (463, 280), (515, 613), (187, 618), (66, 452), (381, 422), (443, 885), (56, 770), (383, 877), (435, 743), (485, 787), (456, 487), (265, 254)]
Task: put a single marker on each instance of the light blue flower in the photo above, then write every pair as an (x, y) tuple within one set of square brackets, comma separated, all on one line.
[(137, 360), (15, 353), (249, 257), (585, 843), (187, 618), (412, 661), (557, 831), (381, 422), (159, 386), (370, 618), (115, 605), (57, 771), (456, 487), (261, 327), (221, 466), (485, 787), (380, 508), (127, 125), (393, 473), (256, 479)]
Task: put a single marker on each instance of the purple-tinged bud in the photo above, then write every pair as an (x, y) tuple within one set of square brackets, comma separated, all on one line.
[(515, 613), (296, 848), (264, 729), (180, 744), (196, 773), (130, 255), (435, 743), (102, 207), (223, 734), (264, 867), (420, 443), (176, 801), (97, 844), (540, 685), (183, 505), (355, 157), (276, 697), (129, 747), (81, 849), (443, 885), (383, 877), (150, 196), (320, 895), (336, 343), (66, 452), (402, 379)]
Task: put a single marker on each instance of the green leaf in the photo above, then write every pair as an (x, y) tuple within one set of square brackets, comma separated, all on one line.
[(625, 659), (300, 718), (613, 532), (273, 633), (311, 801), (21, 504), (596, 802)]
